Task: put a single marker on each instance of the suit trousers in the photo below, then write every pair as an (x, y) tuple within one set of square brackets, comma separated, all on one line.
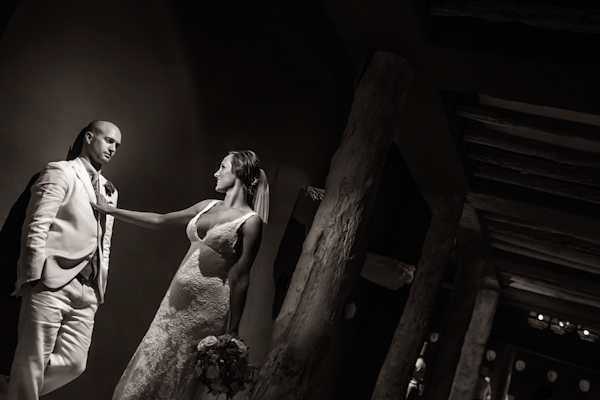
[(55, 333)]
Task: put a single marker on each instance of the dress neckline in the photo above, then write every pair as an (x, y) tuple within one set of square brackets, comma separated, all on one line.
[(211, 205)]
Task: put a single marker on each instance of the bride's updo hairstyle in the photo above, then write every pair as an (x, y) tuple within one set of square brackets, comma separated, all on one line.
[(246, 167)]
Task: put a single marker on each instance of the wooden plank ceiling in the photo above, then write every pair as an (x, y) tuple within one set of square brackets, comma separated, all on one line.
[(534, 179), (535, 197)]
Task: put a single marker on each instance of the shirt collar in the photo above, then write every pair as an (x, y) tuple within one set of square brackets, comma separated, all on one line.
[(89, 168)]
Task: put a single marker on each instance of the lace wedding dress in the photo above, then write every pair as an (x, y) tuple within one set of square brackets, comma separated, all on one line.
[(196, 305)]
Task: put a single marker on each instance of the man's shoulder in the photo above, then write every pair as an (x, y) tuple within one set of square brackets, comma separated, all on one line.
[(60, 165), (62, 170)]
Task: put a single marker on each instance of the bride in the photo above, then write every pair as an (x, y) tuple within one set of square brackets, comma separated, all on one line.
[(208, 292)]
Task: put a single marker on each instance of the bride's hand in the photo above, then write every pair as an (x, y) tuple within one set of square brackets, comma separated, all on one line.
[(101, 204)]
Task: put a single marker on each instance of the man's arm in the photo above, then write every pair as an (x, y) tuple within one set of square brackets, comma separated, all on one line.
[(47, 195)]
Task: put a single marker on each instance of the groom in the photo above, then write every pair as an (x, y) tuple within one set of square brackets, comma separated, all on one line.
[(63, 265)]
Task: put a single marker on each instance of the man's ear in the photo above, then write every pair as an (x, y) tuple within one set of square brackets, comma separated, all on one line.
[(89, 135)]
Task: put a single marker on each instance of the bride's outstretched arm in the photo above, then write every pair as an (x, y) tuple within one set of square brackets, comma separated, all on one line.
[(240, 274), (149, 219)]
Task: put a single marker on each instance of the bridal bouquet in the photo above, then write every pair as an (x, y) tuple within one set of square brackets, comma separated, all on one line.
[(222, 365)]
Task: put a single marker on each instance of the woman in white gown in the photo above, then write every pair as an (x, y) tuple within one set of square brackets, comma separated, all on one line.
[(208, 292)]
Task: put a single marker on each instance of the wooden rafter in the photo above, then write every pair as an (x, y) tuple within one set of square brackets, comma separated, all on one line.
[(547, 185), (535, 148), (580, 257), (533, 166), (527, 13), (500, 224), (551, 278), (557, 291), (559, 308), (585, 135), (539, 254), (535, 216)]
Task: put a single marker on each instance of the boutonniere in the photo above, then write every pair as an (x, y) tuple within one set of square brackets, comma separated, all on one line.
[(109, 187)]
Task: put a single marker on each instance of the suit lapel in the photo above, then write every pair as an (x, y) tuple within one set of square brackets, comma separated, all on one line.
[(84, 177)]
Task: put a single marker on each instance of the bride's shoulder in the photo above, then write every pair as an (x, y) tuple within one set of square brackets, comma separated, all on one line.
[(201, 205)]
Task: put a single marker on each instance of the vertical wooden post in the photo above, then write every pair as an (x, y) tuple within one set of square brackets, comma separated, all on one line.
[(329, 261), (440, 371), (467, 370), (508, 358), (400, 361)]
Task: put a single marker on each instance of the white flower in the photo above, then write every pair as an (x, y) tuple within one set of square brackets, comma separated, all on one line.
[(239, 344), (208, 341)]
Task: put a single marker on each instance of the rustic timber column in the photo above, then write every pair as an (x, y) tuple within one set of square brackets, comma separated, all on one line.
[(508, 358), (400, 361), (329, 261), (467, 371), (440, 370)]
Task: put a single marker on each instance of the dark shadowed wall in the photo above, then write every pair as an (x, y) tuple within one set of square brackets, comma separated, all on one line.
[(185, 84)]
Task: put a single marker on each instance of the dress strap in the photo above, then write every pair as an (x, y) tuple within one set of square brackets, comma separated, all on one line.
[(245, 217), (205, 209), (208, 207)]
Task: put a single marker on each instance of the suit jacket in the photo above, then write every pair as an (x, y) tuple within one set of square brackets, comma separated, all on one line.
[(60, 234)]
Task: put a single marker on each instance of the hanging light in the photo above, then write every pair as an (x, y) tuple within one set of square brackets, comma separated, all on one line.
[(538, 321), (587, 334), (561, 327)]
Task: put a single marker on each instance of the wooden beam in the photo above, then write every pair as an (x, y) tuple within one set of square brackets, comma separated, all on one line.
[(559, 308), (403, 352), (580, 257), (584, 135), (545, 289), (533, 166), (540, 217), (386, 271), (552, 279), (332, 253), (467, 370), (506, 225), (506, 368), (585, 20), (530, 147), (454, 325), (540, 255), (560, 188)]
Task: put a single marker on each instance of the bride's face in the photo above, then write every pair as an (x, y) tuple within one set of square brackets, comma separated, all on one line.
[(225, 176)]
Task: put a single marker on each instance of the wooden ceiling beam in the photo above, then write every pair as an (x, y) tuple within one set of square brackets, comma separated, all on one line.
[(541, 217), (555, 291), (563, 253), (558, 279), (534, 166), (500, 224), (531, 14), (577, 313), (531, 147), (584, 134), (546, 185), (540, 255)]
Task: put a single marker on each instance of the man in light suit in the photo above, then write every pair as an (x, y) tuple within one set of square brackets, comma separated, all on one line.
[(63, 265)]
